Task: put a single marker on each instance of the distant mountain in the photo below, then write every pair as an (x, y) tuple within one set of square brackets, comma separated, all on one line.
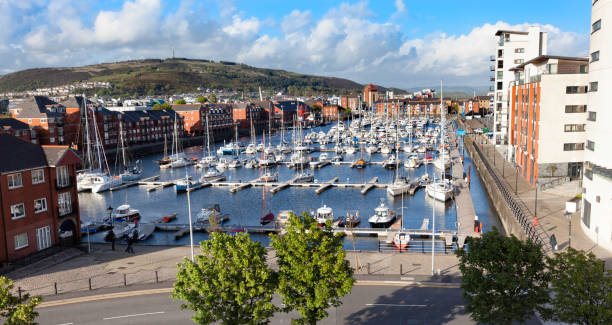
[(156, 76)]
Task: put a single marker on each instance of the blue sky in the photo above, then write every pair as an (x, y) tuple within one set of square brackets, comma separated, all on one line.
[(401, 43)]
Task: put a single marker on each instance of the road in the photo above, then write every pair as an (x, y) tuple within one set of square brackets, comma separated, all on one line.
[(366, 304)]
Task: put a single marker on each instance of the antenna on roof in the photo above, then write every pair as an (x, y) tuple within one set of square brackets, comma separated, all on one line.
[(173, 53), (260, 95)]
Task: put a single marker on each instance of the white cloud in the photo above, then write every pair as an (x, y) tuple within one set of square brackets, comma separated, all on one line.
[(347, 41)]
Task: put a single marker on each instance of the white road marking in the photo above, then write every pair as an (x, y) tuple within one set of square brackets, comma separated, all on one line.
[(134, 315), (396, 305), (66, 324)]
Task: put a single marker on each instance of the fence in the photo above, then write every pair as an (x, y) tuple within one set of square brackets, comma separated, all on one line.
[(518, 208), (107, 280)]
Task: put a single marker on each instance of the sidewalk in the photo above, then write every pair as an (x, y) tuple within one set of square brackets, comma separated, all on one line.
[(550, 205), (104, 268)]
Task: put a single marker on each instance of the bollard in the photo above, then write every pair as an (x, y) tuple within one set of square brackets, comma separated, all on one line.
[(156, 277), (124, 279), (89, 283), (55, 286), (423, 247), (368, 268), (401, 271), (19, 290)]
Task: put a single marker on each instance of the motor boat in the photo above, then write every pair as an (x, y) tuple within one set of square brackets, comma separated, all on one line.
[(441, 190), (269, 217), (212, 174), (270, 177), (382, 218), (124, 213), (207, 162), (304, 177), (253, 163), (398, 187), (223, 163), (386, 149), (360, 163), (350, 150), (391, 163), (104, 182), (349, 221), (208, 214), (412, 162), (251, 149), (372, 149), (324, 214), (267, 160), (235, 163), (181, 184), (401, 240)]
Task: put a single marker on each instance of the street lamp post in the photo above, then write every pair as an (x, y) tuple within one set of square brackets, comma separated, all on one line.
[(110, 216), (568, 215), (190, 223), (516, 181)]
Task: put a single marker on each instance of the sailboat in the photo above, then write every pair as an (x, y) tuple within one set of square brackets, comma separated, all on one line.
[(401, 184), (209, 160), (130, 172), (442, 189), (251, 149), (85, 178), (177, 159)]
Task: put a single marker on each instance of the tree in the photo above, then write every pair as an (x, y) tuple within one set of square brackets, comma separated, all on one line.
[(229, 283), (201, 100), (503, 278), (180, 102), (313, 273), (582, 291), (212, 98), (316, 108), (13, 309), (162, 106)]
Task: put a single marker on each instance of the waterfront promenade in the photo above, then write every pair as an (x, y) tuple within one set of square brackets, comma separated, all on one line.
[(550, 204), (150, 264)]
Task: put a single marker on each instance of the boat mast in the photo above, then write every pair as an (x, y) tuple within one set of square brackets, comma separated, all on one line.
[(207, 136), (442, 122), (88, 151), (122, 144)]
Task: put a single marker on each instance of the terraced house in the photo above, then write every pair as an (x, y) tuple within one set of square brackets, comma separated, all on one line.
[(38, 198)]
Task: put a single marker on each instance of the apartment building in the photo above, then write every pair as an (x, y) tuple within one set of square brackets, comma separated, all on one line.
[(370, 95), (44, 116), (17, 129), (38, 198), (405, 106), (513, 48), (548, 116), (246, 113), (597, 181), (191, 117)]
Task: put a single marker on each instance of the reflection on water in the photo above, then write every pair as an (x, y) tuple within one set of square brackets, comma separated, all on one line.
[(247, 206)]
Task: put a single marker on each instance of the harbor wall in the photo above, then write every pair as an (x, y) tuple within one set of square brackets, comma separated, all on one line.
[(505, 213)]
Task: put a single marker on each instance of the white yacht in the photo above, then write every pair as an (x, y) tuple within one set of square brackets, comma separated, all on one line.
[(212, 174), (382, 218), (323, 214), (398, 187), (104, 182), (441, 190)]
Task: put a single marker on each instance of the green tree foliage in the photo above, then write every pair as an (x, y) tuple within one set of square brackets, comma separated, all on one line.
[(162, 106), (15, 310), (229, 283), (201, 100), (503, 278), (582, 291), (180, 102), (316, 108), (212, 98), (313, 273)]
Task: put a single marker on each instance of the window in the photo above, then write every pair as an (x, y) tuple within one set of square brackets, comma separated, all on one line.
[(575, 108), (63, 179), (507, 37), (17, 211), (588, 173), (596, 26), (40, 205), (590, 145), (593, 86), (38, 176), (500, 75), (584, 68), (519, 50), (586, 215), (594, 57), (64, 203), (43, 237), (576, 89), (574, 127), (551, 68), (592, 116), (21, 241), (14, 181), (573, 146)]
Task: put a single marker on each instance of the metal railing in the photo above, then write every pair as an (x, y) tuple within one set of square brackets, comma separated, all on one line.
[(552, 183), (520, 211)]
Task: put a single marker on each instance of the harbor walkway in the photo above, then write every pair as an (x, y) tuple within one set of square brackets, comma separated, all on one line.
[(550, 214), (104, 268)]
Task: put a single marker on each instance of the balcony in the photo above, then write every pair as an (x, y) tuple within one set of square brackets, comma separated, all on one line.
[(492, 67), (492, 58), (491, 88), (492, 78)]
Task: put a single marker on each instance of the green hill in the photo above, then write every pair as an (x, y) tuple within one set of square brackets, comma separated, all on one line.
[(155, 76)]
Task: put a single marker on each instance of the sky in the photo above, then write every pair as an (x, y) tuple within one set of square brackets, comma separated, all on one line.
[(393, 43)]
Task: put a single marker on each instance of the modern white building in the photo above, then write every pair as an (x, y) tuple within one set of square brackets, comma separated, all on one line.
[(597, 184), (513, 48), (548, 104)]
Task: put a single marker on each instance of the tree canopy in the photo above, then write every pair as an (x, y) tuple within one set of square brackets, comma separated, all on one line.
[(504, 279), (212, 98), (582, 291), (13, 309), (180, 102), (201, 100), (162, 106), (229, 283), (313, 273)]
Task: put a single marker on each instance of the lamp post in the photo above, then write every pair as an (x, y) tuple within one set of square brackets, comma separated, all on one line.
[(568, 215), (516, 181), (190, 223), (110, 216)]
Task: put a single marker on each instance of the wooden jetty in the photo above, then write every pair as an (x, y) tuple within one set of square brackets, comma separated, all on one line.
[(153, 186), (166, 219), (326, 185), (240, 187), (414, 187), (320, 164), (281, 186), (369, 185), (134, 183)]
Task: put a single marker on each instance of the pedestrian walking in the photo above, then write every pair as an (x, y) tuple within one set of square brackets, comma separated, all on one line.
[(130, 241), (110, 236)]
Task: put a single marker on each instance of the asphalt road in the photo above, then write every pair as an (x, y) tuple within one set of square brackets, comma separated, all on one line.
[(366, 304)]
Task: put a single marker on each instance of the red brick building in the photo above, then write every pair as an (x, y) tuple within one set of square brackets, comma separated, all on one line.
[(244, 113), (330, 112), (44, 116), (191, 114), (370, 94), (416, 107), (17, 129), (38, 198)]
